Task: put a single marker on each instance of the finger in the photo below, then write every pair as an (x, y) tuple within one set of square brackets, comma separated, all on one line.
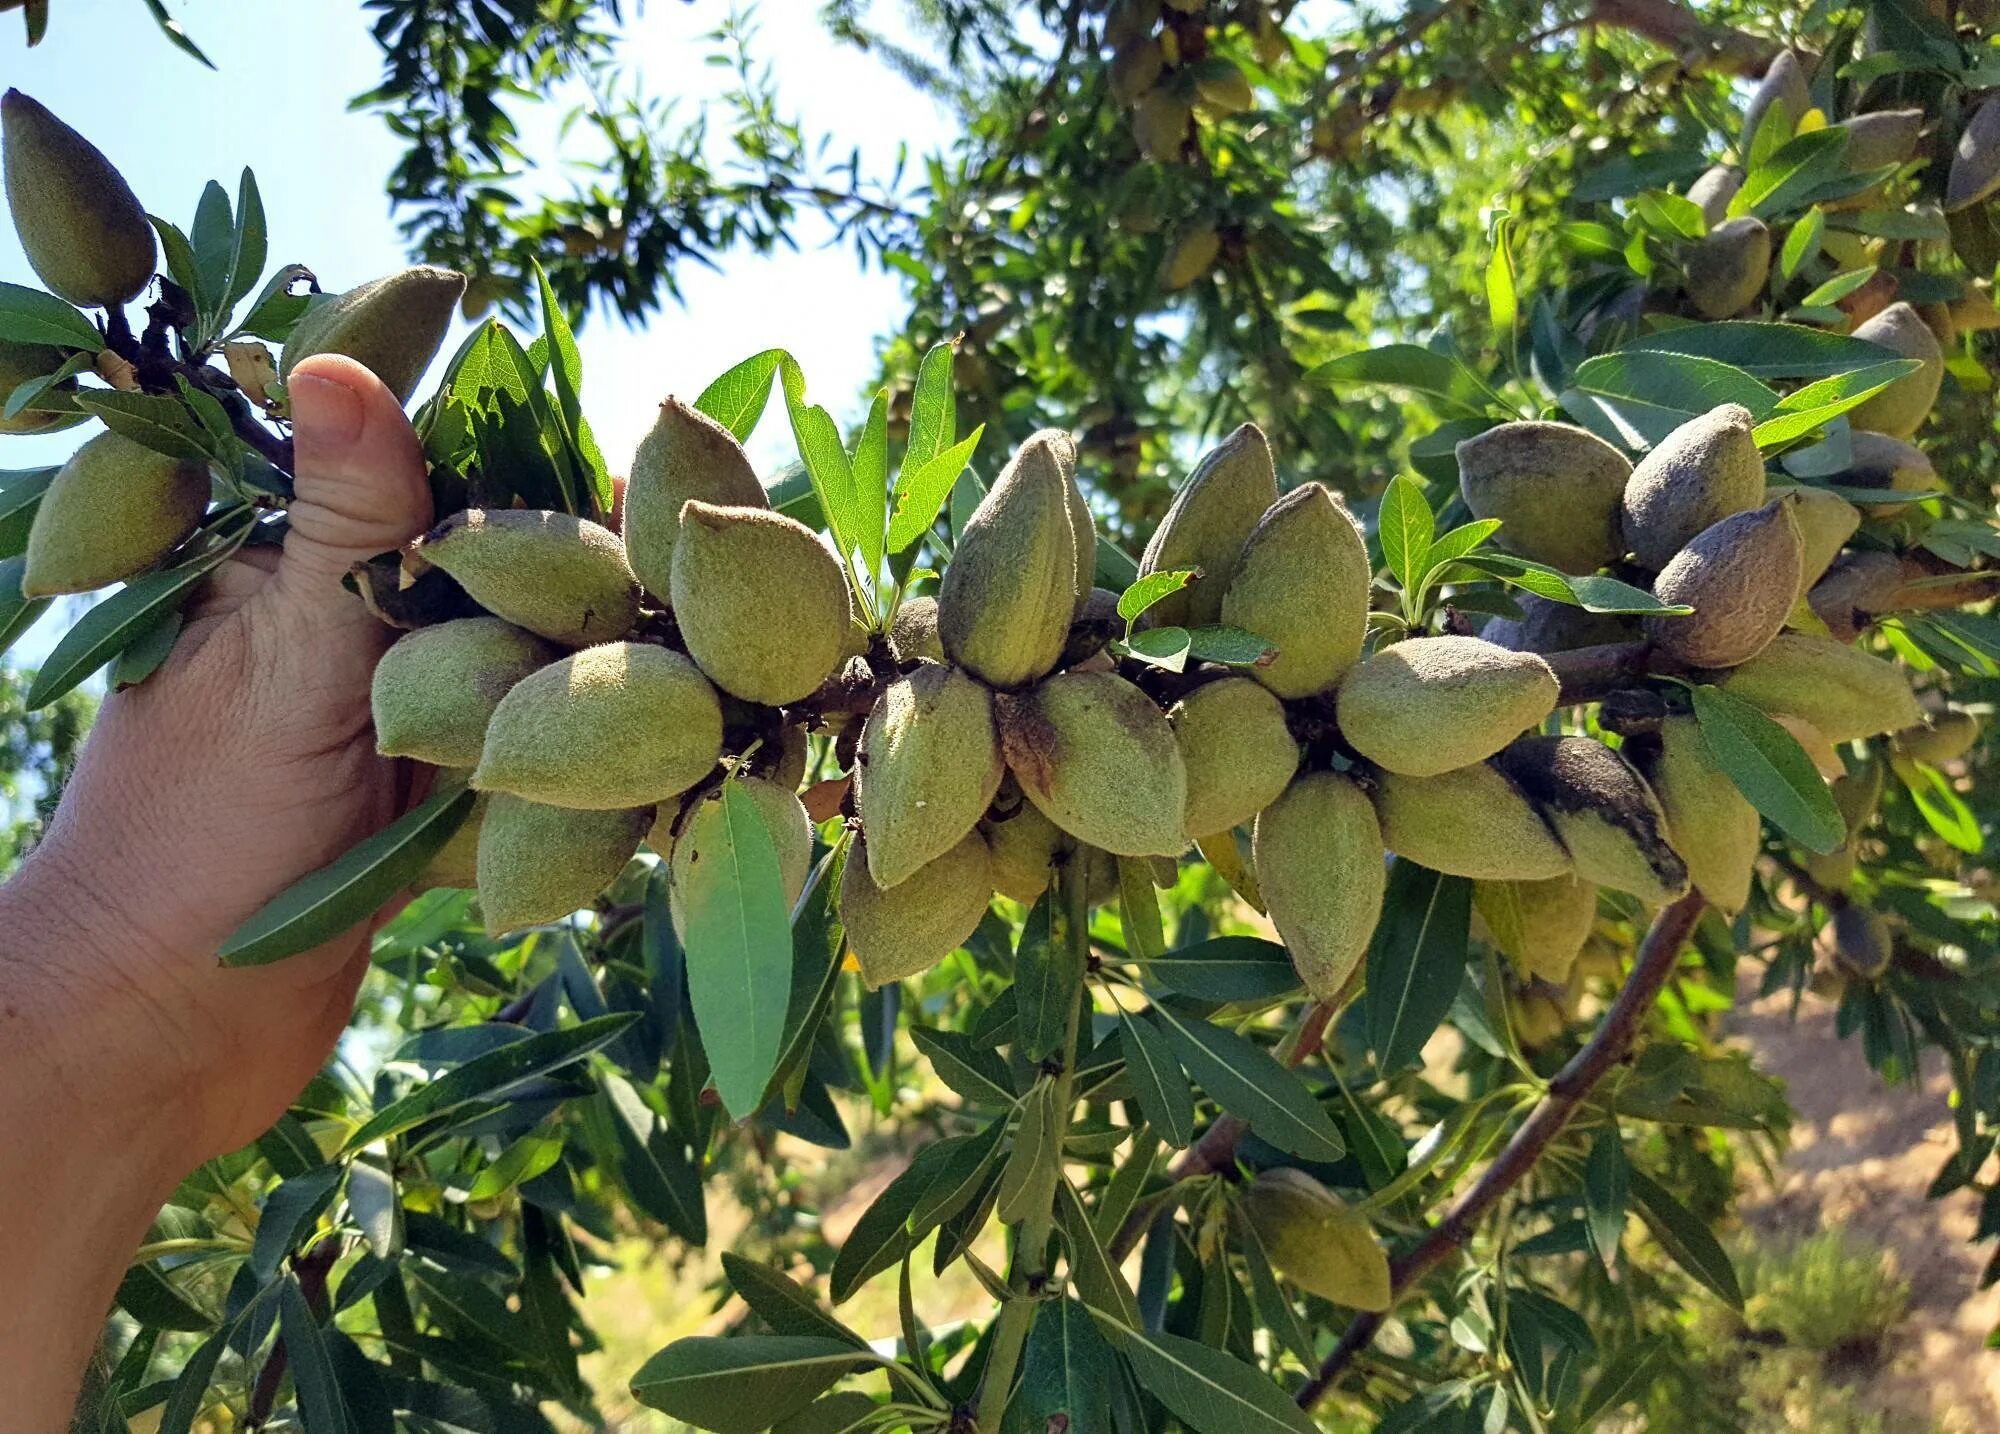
[(358, 479)]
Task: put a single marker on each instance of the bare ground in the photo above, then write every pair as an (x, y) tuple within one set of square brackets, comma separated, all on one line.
[(1861, 1156)]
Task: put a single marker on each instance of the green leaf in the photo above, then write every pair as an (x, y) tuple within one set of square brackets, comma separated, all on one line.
[(657, 1173), (1818, 404), (869, 464), (1066, 1374), (1594, 593), (43, 395), (175, 34), (881, 1238), (1770, 768), (1208, 1390), (1162, 1088), (339, 896), (825, 458), (566, 371), (1838, 287), (1503, 304), (149, 650), (1045, 977), (921, 493), (112, 626), (1139, 908), (819, 942), (933, 410), (1227, 968), (1607, 1187), (970, 1069), (1683, 383), (1944, 811), (153, 420), (1244, 1079), (1406, 527), (788, 1308), (250, 247), (738, 938), (214, 239), (190, 1392), (371, 1199), (1461, 540), (157, 1303), (1690, 1243), (1671, 216), (516, 1166), (736, 400), (1627, 1375), (1788, 351), (1231, 646), (1151, 589), (29, 316), (482, 1077), (743, 1384), (961, 1174), (1800, 165), (1096, 1275), (20, 495), (1407, 366), (321, 1404), (1037, 1147), (1167, 648), (847, 1412), (1416, 962), (1802, 243)]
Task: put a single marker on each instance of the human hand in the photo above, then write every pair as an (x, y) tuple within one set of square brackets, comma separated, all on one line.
[(247, 761)]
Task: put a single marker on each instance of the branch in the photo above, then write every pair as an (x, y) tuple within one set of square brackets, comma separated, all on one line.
[(1658, 955), (1703, 48)]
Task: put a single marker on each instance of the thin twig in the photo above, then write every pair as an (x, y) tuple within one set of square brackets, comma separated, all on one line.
[(1659, 953)]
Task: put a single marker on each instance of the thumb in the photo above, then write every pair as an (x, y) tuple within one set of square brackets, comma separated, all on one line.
[(359, 485)]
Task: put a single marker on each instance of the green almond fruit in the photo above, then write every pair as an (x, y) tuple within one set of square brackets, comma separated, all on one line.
[(1900, 409), (1858, 941), (1320, 1244), (1538, 925), (1470, 822), (1317, 850), (540, 863), (1712, 192), (1741, 577), (909, 928), (927, 769), (913, 631), (1548, 626), (1553, 487), (1704, 471), (1727, 267), (1784, 84), (1709, 822), (761, 602), (686, 454), (435, 689), (794, 751), (1210, 519), (83, 230), (1095, 624), (1845, 693), (1024, 846), (1428, 705), (612, 727), (1825, 522), (1943, 738), (1094, 753), (1877, 138), (392, 326), (21, 362), (112, 511), (562, 577), (784, 817), (1301, 583), (1603, 812), (1239, 752), (1893, 465), (1975, 161), (1005, 603)]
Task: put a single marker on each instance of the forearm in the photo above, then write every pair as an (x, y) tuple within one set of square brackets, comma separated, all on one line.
[(82, 1172)]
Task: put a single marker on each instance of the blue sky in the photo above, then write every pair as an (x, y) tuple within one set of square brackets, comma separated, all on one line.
[(277, 102)]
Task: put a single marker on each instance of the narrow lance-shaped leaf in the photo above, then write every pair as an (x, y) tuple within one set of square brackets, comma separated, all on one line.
[(745, 1384), (736, 399), (1045, 978), (1416, 962), (1770, 768), (1244, 1079), (1212, 1392), (336, 898), (739, 946), (1158, 1080)]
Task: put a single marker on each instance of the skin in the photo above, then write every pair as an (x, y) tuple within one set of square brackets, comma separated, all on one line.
[(127, 1056)]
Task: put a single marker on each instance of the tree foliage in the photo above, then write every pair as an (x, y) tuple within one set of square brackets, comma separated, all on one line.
[(1121, 1106)]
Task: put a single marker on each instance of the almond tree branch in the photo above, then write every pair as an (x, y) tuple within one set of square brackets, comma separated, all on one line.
[(1659, 953), (1702, 47)]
